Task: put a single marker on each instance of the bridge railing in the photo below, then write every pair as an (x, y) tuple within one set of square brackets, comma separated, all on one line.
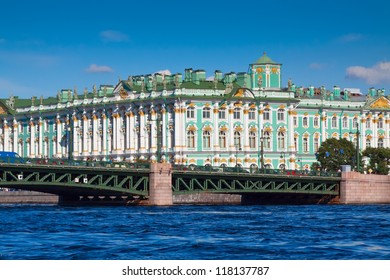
[(243, 170), (104, 164)]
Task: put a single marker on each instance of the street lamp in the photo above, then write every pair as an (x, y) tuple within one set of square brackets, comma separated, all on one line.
[(283, 156), (262, 139), (300, 162), (357, 133)]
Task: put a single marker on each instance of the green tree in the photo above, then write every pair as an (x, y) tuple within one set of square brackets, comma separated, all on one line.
[(336, 152), (379, 160)]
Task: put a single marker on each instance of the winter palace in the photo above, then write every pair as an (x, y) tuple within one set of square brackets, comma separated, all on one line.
[(247, 119)]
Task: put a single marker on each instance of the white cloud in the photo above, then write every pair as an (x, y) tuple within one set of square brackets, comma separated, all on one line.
[(351, 37), (163, 72), (376, 74), (113, 36), (93, 68)]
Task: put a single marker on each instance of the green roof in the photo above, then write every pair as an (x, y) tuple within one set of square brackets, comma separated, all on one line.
[(265, 60)]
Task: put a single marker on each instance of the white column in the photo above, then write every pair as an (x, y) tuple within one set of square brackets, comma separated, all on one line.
[(95, 134), (131, 136), (59, 136), (164, 129), (230, 143), (386, 121), (75, 137), (362, 133), (177, 128), (40, 138), (16, 135), (142, 127), (127, 135), (105, 135), (375, 135), (85, 135), (245, 144), (215, 128), (323, 126), (6, 136), (32, 138)]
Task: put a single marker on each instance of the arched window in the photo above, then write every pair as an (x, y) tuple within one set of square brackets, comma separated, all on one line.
[(380, 143), (355, 123), (316, 121), (190, 139), (237, 113), (252, 114), (304, 121), (206, 113), (316, 144), (266, 115), (345, 122), (237, 139), (222, 114), (190, 112), (280, 115), (305, 144), (267, 140), (380, 124), (206, 139), (334, 122), (281, 140), (368, 143), (222, 139), (368, 123), (252, 140)]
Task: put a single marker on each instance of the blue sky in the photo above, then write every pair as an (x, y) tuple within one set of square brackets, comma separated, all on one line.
[(46, 46)]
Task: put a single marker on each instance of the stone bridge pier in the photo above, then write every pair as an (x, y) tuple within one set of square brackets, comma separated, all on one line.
[(160, 184)]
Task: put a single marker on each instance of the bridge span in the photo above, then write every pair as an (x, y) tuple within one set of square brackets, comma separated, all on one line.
[(123, 184)]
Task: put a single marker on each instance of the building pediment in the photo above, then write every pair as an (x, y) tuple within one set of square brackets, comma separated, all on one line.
[(380, 103), (243, 92)]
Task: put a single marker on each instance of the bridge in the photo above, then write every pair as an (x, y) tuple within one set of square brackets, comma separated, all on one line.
[(129, 183)]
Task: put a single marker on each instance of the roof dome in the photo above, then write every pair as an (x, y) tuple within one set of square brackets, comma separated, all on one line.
[(265, 60)]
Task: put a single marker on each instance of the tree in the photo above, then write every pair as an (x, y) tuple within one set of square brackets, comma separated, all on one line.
[(379, 159), (336, 152)]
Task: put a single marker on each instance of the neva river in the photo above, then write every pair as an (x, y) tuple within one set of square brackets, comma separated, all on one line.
[(319, 232)]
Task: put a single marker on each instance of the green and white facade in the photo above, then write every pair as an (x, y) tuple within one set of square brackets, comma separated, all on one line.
[(231, 119)]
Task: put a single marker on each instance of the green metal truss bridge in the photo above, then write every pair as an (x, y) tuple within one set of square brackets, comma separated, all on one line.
[(132, 180)]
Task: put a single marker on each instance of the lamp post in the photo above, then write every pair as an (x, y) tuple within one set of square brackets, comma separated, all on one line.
[(357, 133), (300, 162), (283, 156)]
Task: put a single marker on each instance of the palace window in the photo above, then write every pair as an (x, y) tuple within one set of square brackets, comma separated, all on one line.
[(190, 112), (380, 143), (334, 122), (316, 121), (280, 115), (266, 115), (206, 112), (304, 121), (355, 123), (206, 139), (380, 123), (191, 139), (305, 145), (281, 140), (222, 139), (252, 114), (252, 140), (237, 139), (345, 122), (237, 113), (368, 123), (267, 140), (316, 144), (295, 121), (368, 143), (222, 114)]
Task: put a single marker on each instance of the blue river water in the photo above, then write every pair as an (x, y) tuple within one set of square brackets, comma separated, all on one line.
[(314, 232)]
